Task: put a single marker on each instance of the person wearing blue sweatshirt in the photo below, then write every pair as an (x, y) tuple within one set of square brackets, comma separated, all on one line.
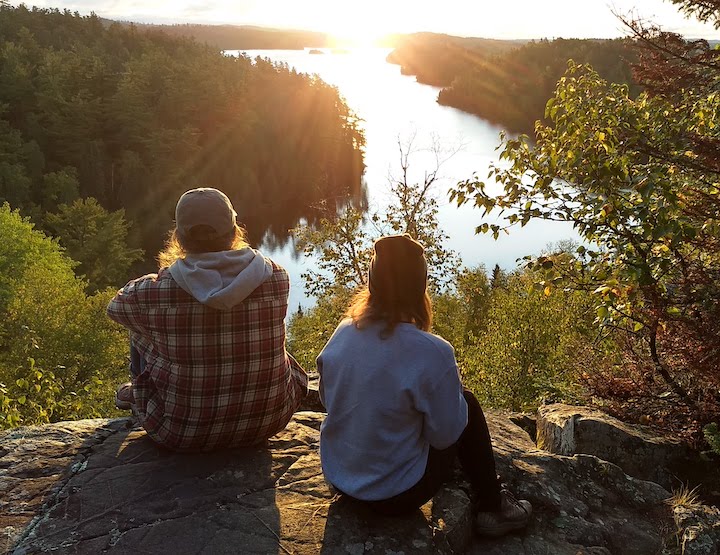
[(397, 413)]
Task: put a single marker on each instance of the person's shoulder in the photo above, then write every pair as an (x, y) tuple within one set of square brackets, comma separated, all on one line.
[(346, 326), (343, 328), (275, 265), (148, 280), (429, 342), (278, 272), (276, 283), (162, 279), (151, 285), (345, 331)]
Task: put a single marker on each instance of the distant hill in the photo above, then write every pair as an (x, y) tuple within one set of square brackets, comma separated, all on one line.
[(436, 59), (506, 81), (244, 37), (251, 37), (512, 88)]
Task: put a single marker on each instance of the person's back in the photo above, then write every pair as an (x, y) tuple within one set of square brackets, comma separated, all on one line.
[(209, 334), (397, 395), (397, 413)]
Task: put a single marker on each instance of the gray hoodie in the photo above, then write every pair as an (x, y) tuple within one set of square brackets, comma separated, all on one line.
[(224, 279)]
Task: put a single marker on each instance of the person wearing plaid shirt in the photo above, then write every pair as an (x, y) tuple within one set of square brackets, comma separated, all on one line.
[(208, 357)]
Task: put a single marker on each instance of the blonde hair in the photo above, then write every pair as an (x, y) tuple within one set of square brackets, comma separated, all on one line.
[(366, 309), (178, 247)]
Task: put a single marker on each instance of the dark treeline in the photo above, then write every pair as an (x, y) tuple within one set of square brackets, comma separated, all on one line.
[(246, 37), (133, 118), (437, 59), (250, 37), (510, 86)]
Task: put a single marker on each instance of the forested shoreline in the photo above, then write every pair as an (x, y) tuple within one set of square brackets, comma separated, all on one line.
[(509, 82), (244, 37), (102, 127), (133, 118), (436, 59)]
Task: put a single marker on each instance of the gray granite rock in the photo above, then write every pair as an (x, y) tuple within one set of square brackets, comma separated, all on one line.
[(582, 505), (36, 462), (123, 494), (101, 486), (567, 430), (698, 529)]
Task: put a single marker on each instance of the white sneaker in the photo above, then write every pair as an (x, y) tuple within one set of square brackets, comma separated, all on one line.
[(514, 514)]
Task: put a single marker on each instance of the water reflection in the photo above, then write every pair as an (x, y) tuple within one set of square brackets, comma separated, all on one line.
[(394, 107), (270, 226)]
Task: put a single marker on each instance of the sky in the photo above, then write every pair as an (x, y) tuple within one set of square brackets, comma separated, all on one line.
[(503, 19)]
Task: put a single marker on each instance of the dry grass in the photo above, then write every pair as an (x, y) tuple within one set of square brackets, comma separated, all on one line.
[(685, 498)]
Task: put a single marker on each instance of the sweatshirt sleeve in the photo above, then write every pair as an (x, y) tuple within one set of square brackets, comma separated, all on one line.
[(125, 309), (444, 408)]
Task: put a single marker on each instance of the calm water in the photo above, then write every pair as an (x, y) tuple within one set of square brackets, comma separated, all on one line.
[(395, 107)]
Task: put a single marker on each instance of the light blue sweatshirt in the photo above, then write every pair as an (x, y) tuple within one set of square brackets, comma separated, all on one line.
[(387, 400)]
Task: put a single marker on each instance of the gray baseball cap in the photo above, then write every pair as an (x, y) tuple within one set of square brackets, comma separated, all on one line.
[(204, 206)]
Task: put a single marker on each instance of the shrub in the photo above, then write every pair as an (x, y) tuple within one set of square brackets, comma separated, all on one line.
[(59, 354), (712, 435)]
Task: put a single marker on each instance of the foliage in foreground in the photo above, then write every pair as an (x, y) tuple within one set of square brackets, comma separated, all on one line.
[(60, 357), (712, 436), (531, 347), (96, 239), (516, 345), (629, 174)]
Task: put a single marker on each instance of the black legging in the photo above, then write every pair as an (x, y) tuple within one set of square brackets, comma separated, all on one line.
[(473, 449)]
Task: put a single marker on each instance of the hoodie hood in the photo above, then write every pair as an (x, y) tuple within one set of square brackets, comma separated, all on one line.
[(224, 279)]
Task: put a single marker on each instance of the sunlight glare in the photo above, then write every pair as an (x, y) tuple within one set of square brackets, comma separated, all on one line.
[(358, 29), (354, 38)]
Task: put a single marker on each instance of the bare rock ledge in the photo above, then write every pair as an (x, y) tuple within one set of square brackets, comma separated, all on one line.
[(567, 430), (101, 486)]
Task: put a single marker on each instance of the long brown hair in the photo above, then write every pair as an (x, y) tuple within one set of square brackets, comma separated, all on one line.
[(178, 247), (366, 309)]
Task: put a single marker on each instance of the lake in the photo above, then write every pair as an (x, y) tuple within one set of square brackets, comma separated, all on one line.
[(395, 107)]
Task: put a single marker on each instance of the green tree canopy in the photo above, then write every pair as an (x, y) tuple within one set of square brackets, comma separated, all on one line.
[(96, 239), (633, 177), (59, 355), (133, 118)]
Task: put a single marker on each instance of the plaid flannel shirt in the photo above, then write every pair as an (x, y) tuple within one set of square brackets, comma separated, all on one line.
[(213, 378)]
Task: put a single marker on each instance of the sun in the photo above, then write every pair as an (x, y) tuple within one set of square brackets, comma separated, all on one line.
[(355, 39), (358, 29)]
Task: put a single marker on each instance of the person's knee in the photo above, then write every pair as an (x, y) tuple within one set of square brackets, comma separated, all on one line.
[(470, 399)]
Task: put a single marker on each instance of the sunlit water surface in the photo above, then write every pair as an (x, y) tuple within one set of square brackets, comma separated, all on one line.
[(394, 107)]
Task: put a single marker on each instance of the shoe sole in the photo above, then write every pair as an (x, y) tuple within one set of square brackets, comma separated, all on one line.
[(500, 529)]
